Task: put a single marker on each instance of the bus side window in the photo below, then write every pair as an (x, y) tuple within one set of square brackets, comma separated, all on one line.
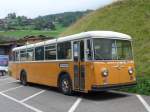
[(23, 55), (89, 50), (30, 54), (64, 50), (50, 52), (39, 53)]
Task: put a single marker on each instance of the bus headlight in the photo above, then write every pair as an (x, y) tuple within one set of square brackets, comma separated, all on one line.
[(105, 72), (130, 70)]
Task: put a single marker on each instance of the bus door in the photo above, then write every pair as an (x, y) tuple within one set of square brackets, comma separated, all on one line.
[(79, 65)]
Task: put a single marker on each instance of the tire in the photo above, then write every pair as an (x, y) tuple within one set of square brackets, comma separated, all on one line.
[(23, 78), (65, 85), (3, 73)]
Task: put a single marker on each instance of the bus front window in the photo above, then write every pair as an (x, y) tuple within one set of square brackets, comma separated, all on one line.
[(124, 50), (110, 49), (104, 49)]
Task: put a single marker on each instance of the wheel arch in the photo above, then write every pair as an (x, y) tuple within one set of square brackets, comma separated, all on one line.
[(22, 70), (62, 73)]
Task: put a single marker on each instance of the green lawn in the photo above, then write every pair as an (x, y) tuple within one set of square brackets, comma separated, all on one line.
[(23, 33)]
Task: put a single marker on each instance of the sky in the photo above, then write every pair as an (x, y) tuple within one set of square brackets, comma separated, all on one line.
[(34, 8)]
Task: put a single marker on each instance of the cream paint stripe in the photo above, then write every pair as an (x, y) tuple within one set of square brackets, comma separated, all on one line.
[(15, 100), (75, 105), (28, 98), (144, 102), (10, 89)]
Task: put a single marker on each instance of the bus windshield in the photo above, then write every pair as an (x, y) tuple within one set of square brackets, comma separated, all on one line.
[(110, 49)]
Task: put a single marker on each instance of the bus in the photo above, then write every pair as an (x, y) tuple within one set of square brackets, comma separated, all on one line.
[(84, 62)]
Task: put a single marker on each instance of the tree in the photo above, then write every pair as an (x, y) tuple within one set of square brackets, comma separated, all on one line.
[(41, 23), (22, 21), (11, 16)]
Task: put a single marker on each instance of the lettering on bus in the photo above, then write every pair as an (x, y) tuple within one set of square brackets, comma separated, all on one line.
[(63, 65)]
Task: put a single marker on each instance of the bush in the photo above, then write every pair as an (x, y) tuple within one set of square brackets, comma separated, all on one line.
[(142, 87)]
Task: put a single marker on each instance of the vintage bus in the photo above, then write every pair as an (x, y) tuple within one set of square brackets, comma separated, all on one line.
[(88, 61)]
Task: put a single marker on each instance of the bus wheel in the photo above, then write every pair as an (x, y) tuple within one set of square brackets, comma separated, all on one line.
[(23, 78), (65, 85), (3, 73)]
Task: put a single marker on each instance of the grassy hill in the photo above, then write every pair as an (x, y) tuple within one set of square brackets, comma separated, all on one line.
[(128, 16)]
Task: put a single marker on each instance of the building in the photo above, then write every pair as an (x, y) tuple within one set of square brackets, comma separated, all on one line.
[(7, 44)]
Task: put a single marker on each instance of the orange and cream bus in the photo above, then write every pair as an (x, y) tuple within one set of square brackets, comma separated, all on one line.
[(88, 61)]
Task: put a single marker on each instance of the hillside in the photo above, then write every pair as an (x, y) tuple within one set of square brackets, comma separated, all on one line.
[(128, 16), (66, 18), (14, 22), (50, 25)]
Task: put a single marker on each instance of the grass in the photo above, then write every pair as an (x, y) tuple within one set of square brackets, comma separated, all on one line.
[(142, 87), (23, 33), (131, 17)]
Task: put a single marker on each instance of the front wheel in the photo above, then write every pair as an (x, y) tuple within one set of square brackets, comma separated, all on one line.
[(65, 85)]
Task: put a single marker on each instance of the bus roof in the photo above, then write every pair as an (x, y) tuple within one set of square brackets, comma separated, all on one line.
[(96, 34), (91, 34)]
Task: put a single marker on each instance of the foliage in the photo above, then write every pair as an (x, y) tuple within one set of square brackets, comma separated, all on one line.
[(67, 18), (128, 16), (49, 22), (40, 23), (12, 21), (142, 87)]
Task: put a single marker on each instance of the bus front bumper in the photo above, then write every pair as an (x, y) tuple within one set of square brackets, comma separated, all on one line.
[(111, 87)]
